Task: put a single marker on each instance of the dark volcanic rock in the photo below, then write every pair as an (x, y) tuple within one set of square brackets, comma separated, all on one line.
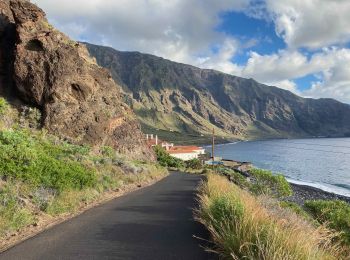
[(7, 45), (180, 97), (302, 193), (79, 100)]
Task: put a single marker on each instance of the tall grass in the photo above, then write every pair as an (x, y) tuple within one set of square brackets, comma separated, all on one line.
[(242, 227), (13, 214), (334, 213)]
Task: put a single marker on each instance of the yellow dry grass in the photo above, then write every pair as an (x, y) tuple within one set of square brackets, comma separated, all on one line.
[(243, 228)]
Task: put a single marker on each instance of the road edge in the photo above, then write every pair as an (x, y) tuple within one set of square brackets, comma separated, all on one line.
[(33, 231)]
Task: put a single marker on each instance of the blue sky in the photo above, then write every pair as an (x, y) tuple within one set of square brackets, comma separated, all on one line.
[(263, 32), (285, 43), (240, 25)]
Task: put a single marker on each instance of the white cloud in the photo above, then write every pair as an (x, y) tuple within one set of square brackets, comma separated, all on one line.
[(276, 67), (222, 59), (311, 23), (178, 29), (331, 65), (335, 80), (285, 84)]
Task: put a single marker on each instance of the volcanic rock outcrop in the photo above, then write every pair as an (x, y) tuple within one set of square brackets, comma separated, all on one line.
[(79, 100)]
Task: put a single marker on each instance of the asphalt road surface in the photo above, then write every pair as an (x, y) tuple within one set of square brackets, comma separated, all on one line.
[(152, 223)]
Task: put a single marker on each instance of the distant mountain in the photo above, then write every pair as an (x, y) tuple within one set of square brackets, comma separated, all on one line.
[(178, 97)]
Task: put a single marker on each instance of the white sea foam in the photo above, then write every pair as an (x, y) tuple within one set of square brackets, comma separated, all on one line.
[(322, 186)]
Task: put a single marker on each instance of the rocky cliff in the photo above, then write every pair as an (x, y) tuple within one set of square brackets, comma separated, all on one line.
[(44, 68), (179, 97)]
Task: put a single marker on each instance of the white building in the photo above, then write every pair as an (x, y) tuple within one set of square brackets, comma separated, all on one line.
[(186, 152)]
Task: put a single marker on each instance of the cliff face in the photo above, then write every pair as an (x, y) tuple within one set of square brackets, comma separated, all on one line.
[(79, 100), (179, 97)]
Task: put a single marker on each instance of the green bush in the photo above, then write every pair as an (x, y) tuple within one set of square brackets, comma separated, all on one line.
[(194, 164), (166, 160), (37, 161), (236, 178), (3, 106), (108, 151), (267, 183), (335, 213)]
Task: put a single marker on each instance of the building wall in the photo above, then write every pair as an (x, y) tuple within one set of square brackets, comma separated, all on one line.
[(185, 156)]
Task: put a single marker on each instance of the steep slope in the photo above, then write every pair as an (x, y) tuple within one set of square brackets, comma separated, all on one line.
[(179, 97), (79, 101)]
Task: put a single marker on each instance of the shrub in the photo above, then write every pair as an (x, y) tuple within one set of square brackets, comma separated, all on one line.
[(194, 164), (3, 106), (30, 117), (335, 213), (236, 178), (242, 228), (267, 183), (108, 151), (166, 160), (28, 158)]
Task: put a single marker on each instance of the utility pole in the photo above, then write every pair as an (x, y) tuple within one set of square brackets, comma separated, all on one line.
[(212, 147)]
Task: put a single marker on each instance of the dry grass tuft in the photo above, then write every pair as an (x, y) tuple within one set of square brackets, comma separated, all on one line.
[(243, 226)]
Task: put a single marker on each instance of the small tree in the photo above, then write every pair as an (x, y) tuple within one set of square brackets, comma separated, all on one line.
[(194, 164), (166, 160)]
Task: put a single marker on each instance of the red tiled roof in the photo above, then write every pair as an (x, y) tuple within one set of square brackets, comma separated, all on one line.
[(184, 149), (180, 151)]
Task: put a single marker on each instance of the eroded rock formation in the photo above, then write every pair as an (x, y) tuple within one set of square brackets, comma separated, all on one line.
[(79, 100)]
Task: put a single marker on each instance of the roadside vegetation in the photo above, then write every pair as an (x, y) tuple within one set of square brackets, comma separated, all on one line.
[(164, 159), (43, 176), (260, 182), (172, 163), (245, 226), (249, 215), (335, 214)]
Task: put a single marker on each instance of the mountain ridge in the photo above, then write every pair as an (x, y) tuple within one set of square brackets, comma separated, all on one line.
[(182, 98)]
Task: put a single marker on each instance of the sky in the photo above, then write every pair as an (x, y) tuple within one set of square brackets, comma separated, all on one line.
[(299, 45)]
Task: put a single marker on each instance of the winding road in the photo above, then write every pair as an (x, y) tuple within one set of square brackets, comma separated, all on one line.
[(152, 223)]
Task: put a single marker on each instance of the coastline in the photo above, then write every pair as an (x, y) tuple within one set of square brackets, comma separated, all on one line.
[(301, 193)]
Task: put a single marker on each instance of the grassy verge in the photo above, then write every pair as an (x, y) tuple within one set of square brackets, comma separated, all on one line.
[(244, 226), (335, 214), (260, 182), (42, 176)]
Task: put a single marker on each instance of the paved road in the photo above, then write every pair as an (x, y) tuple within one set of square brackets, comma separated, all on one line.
[(151, 223)]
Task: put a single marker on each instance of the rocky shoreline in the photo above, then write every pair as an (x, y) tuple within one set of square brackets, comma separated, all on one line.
[(302, 193)]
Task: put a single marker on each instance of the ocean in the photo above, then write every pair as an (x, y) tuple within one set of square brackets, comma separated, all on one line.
[(323, 163)]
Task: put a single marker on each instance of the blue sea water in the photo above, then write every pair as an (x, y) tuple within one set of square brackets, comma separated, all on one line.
[(321, 162)]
